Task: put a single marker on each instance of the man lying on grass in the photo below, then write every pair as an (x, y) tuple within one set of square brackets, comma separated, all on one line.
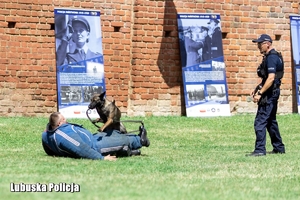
[(71, 140)]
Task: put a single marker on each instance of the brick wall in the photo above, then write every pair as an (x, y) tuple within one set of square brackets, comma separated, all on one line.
[(141, 52)]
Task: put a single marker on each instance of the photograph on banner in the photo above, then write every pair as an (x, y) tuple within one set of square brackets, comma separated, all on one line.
[(202, 62), (79, 60), (295, 40)]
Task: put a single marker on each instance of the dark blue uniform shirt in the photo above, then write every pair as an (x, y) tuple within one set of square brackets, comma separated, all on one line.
[(274, 64)]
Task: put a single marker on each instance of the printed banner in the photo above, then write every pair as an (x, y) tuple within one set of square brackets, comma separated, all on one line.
[(79, 60), (295, 34), (203, 67)]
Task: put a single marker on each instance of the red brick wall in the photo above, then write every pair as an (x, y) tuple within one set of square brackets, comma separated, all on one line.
[(142, 62)]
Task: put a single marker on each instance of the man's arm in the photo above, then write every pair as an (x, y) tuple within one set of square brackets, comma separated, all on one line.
[(61, 52), (75, 146), (197, 44), (268, 83), (266, 86)]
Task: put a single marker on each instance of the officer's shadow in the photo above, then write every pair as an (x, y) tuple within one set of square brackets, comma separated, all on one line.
[(169, 61)]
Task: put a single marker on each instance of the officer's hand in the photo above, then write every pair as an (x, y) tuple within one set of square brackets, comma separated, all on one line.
[(256, 98), (68, 31), (110, 158)]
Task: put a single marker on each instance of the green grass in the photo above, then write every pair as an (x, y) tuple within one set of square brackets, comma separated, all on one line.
[(189, 158)]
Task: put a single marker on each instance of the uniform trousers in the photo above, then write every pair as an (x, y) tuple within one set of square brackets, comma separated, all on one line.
[(265, 120)]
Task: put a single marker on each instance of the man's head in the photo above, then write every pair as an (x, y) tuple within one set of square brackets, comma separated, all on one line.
[(213, 23), (203, 28), (204, 31), (81, 30), (56, 119), (195, 35), (264, 43), (82, 20)]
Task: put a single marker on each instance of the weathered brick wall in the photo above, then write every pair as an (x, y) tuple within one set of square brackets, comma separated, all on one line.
[(141, 52)]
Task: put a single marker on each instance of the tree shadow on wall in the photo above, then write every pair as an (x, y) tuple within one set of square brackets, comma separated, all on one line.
[(169, 61)]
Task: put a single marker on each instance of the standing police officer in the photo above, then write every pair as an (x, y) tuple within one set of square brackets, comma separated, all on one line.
[(266, 96)]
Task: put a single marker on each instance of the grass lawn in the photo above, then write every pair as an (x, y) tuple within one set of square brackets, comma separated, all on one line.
[(189, 158)]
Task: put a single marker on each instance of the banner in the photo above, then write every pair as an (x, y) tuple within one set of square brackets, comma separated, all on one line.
[(79, 60), (203, 67), (295, 34)]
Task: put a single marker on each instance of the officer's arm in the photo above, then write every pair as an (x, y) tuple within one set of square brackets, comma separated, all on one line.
[(61, 52), (268, 83), (198, 44), (76, 147)]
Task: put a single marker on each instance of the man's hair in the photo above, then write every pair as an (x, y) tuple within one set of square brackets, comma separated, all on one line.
[(53, 119)]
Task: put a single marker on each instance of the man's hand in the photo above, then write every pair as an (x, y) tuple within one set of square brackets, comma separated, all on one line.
[(256, 98), (68, 32), (252, 93), (110, 158)]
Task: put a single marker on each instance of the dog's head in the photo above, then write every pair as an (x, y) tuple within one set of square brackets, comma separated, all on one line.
[(97, 100)]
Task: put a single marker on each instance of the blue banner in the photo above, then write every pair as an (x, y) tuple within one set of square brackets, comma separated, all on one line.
[(295, 34), (79, 60), (203, 67)]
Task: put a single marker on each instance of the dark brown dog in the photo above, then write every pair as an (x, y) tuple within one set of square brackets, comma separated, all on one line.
[(109, 113)]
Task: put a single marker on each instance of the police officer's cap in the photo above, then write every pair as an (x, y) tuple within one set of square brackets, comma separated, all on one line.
[(203, 28), (82, 20), (263, 38), (213, 20)]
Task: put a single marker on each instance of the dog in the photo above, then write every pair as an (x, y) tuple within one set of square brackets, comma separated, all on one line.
[(109, 113)]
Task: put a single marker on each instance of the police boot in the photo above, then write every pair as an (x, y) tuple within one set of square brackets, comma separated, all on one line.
[(136, 152), (143, 135), (124, 152)]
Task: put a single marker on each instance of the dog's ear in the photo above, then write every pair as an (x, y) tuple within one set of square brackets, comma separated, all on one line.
[(102, 95)]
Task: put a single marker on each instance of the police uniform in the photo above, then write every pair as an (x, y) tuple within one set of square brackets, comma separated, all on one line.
[(213, 47), (206, 53), (72, 140), (206, 50), (216, 43), (265, 119), (192, 48), (78, 55)]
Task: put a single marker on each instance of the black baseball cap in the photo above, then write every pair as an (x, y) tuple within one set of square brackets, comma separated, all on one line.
[(263, 38)]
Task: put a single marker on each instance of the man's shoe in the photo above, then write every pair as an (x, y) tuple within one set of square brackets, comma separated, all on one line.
[(136, 152), (276, 152), (144, 139), (256, 154)]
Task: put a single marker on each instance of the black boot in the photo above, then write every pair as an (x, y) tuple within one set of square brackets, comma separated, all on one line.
[(144, 139), (136, 152), (124, 152)]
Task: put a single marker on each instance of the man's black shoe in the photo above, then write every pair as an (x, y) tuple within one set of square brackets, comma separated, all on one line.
[(256, 154), (135, 152), (275, 152), (144, 139)]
